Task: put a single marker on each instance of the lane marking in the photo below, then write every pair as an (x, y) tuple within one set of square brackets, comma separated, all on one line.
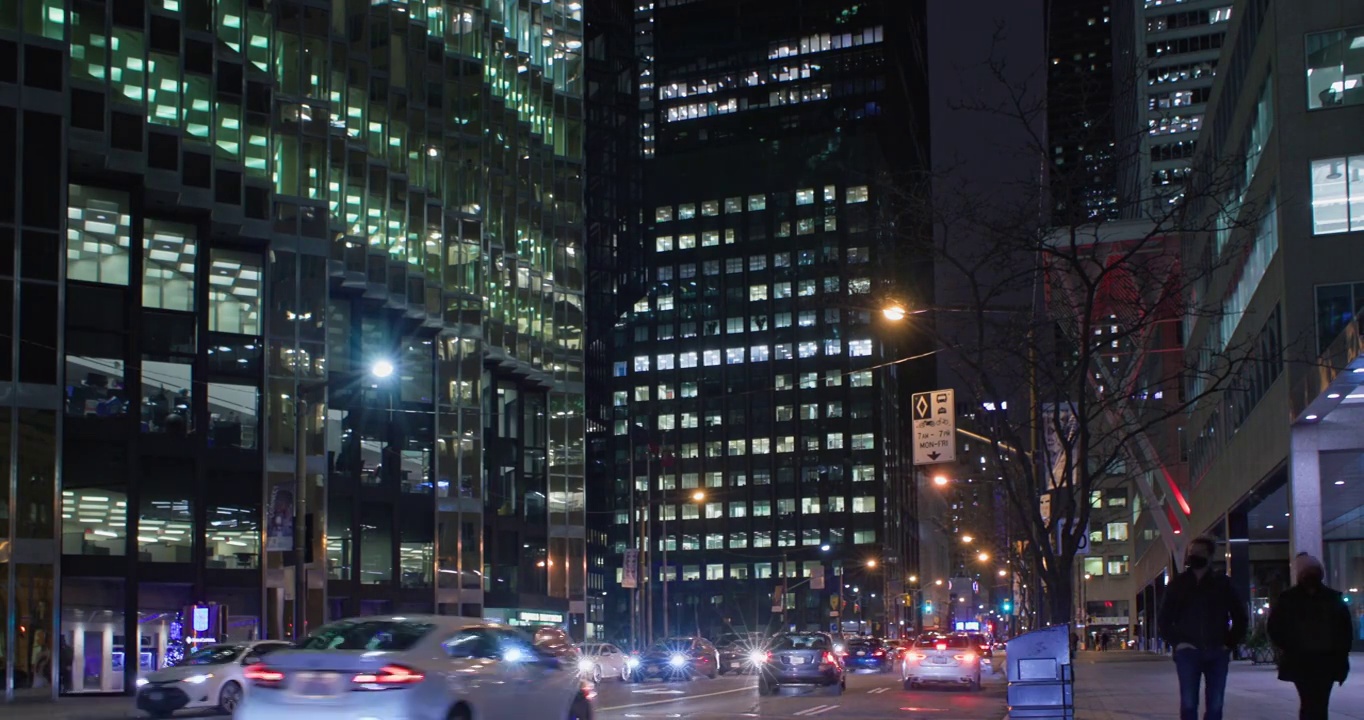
[(676, 699), (877, 691), (816, 710)]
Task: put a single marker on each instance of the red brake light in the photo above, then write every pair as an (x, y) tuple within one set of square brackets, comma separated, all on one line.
[(389, 676), (829, 658), (879, 653), (263, 676), (940, 646)]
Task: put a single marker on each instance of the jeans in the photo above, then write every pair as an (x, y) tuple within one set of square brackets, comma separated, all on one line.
[(1195, 665), (1314, 696)]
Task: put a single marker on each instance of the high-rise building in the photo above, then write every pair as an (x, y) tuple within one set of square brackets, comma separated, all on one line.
[(757, 428), (1274, 460), (1177, 47), (216, 209)]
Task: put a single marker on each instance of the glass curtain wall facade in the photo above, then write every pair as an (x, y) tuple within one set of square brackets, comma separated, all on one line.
[(211, 209), (756, 399)]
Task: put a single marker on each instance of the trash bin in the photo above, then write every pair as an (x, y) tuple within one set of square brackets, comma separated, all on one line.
[(1041, 677)]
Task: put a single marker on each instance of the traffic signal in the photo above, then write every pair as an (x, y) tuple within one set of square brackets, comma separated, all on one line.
[(928, 607), (1008, 606)]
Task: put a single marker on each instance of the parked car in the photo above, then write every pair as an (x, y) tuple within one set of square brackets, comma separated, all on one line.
[(680, 658), (866, 653), (802, 658), (416, 666), (946, 659), (601, 660), (209, 677)]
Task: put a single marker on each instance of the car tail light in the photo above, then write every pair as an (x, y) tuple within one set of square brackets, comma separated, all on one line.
[(966, 657), (769, 656), (940, 646), (917, 656), (262, 676), (389, 676), (879, 653), (829, 658)]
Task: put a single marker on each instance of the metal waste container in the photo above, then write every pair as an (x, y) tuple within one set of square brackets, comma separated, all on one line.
[(1041, 676)]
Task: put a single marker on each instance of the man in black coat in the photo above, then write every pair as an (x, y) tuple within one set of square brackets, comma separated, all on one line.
[(1311, 626), (1203, 619)]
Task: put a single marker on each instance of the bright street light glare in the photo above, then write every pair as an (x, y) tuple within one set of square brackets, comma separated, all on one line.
[(698, 496), (894, 313), (871, 563), (381, 369), (983, 557), (914, 578), (940, 480), (937, 582), (825, 548), (1003, 573), (967, 539)]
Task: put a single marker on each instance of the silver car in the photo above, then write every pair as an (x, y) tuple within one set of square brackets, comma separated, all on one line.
[(942, 659), (601, 660), (417, 667)]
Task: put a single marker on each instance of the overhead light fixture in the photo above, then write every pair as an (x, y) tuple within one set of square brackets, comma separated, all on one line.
[(1269, 527), (1333, 396), (1340, 482), (1311, 417)]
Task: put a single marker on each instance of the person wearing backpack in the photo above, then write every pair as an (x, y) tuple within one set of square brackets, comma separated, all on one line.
[(1311, 626)]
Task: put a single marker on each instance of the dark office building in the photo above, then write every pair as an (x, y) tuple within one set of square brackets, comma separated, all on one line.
[(1082, 114), (211, 210), (757, 403), (615, 251)]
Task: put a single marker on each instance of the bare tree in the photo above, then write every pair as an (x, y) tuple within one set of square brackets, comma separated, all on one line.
[(1075, 317)]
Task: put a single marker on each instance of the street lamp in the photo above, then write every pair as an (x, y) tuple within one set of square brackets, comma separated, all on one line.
[(871, 563), (967, 539), (1003, 573), (940, 480), (381, 369), (698, 496), (983, 557), (894, 313), (914, 578)]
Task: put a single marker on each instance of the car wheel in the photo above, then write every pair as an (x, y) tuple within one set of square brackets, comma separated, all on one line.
[(713, 674), (580, 710), (837, 690), (634, 678), (229, 697), (596, 674), (767, 688), (975, 684)]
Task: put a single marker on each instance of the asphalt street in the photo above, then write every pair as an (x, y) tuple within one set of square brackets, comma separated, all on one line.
[(869, 697)]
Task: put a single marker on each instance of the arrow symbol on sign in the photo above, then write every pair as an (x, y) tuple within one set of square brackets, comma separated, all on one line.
[(934, 455)]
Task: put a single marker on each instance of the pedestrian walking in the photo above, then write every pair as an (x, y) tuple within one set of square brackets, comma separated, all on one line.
[(1310, 624), (1202, 618)]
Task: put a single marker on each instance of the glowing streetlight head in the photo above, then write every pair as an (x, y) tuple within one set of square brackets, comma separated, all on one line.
[(1088, 576), (914, 578), (871, 563), (1003, 573), (937, 582), (983, 557), (698, 496), (894, 313), (940, 480), (824, 547), (967, 539), (381, 369)]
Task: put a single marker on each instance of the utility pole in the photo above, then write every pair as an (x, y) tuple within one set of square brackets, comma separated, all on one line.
[(648, 537), (634, 540), (667, 571), (300, 508)]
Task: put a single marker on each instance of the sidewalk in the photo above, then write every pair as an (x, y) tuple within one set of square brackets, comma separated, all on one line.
[(1130, 685)]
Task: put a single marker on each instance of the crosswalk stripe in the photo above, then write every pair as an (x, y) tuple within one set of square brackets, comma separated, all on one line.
[(877, 691), (816, 710)]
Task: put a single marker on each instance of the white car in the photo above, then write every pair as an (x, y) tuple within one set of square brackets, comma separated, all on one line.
[(942, 659), (601, 660), (416, 667), (209, 677)]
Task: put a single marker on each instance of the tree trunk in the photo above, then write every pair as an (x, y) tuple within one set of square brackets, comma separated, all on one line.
[(1057, 604)]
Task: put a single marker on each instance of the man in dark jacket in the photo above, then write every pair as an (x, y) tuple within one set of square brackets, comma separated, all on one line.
[(1203, 619), (1311, 626)]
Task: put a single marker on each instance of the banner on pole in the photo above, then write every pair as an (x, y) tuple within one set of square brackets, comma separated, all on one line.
[(629, 577)]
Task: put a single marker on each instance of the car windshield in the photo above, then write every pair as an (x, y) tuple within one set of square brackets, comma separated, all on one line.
[(367, 635), (802, 642), (673, 645), (213, 655)]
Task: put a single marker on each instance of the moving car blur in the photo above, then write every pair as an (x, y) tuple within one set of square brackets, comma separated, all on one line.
[(942, 659), (679, 658), (209, 677), (802, 659), (865, 653), (419, 667), (597, 661), (741, 653)]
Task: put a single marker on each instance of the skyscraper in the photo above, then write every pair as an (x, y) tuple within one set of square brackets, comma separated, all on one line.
[(757, 386), (217, 209)]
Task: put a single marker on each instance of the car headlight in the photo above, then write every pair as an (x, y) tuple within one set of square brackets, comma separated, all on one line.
[(585, 665), (197, 679), (757, 657), (632, 662), (141, 682), (678, 660)]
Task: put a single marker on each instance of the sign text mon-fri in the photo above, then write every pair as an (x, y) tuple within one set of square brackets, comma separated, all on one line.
[(935, 427)]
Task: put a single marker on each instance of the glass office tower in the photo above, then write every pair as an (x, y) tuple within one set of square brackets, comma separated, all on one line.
[(234, 232), (759, 431)]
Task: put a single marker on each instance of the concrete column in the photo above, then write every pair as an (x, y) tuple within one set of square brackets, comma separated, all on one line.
[(107, 681), (1238, 551), (1304, 490), (77, 668)]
